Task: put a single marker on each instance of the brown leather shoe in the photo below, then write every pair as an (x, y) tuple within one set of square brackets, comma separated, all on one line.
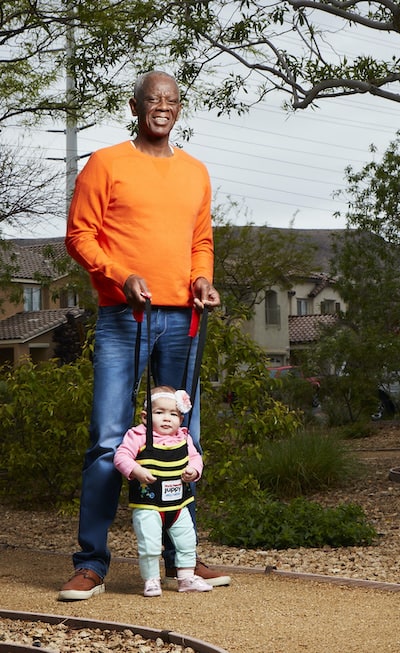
[(211, 577), (84, 584)]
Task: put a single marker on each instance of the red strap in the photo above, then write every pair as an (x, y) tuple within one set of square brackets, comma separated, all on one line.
[(138, 315), (194, 323)]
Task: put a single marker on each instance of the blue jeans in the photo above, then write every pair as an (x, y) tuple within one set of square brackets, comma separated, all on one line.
[(112, 413)]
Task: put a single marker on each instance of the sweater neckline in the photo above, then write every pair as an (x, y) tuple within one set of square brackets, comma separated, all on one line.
[(171, 149)]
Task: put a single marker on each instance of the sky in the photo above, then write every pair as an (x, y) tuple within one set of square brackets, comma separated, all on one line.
[(279, 169)]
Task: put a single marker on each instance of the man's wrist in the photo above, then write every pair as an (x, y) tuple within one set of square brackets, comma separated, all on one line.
[(201, 279)]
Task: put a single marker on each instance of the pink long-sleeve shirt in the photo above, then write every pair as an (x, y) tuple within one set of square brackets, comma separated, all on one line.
[(135, 438)]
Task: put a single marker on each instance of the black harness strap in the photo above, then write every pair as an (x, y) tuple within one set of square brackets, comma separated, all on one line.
[(199, 357), (197, 365)]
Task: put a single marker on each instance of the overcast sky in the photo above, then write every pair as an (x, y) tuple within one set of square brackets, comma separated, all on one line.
[(279, 168)]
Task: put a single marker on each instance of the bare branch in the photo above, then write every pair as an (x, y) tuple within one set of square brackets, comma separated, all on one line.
[(341, 10)]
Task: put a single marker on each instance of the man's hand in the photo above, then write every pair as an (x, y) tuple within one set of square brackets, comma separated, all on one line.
[(205, 294), (136, 291)]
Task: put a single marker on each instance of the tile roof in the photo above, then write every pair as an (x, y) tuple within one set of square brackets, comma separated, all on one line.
[(26, 325), (321, 240), (321, 282), (30, 257), (305, 328)]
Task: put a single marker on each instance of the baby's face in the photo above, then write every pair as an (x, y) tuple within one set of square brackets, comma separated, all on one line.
[(165, 415)]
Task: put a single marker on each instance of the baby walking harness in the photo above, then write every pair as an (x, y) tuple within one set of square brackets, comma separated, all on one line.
[(168, 493)]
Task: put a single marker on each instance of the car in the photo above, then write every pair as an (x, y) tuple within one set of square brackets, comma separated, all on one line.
[(389, 397)]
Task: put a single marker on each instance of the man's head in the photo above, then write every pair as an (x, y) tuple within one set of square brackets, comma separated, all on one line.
[(156, 103)]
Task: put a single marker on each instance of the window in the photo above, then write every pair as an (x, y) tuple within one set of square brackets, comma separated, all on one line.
[(329, 307), (32, 298), (272, 310), (303, 307), (68, 298)]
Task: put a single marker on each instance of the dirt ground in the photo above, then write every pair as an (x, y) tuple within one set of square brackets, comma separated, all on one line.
[(258, 613), (291, 610)]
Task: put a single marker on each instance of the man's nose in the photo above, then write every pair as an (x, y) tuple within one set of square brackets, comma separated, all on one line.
[(162, 103)]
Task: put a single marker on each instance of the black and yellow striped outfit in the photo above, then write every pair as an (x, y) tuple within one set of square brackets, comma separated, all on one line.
[(168, 493)]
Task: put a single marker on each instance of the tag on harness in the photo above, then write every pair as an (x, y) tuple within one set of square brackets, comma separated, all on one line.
[(171, 490)]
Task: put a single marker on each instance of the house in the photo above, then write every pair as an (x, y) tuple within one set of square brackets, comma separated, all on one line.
[(34, 301), (287, 321)]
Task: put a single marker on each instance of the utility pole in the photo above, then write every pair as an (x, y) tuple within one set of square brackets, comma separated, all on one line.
[(71, 128), (71, 154)]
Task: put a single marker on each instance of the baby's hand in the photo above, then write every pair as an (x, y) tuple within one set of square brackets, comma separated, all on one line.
[(189, 474), (143, 475)]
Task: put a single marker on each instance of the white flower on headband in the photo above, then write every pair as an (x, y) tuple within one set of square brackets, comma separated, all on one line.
[(183, 402)]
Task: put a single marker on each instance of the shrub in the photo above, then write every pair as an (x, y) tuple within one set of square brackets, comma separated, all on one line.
[(44, 417), (303, 464), (258, 522)]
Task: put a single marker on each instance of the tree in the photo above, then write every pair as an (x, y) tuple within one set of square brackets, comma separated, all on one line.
[(28, 190), (281, 46), (99, 43), (365, 346), (250, 259), (367, 260)]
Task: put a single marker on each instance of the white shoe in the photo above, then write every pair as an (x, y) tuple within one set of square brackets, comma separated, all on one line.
[(193, 584), (152, 587)]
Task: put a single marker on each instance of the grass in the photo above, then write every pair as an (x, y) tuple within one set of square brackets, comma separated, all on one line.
[(305, 463)]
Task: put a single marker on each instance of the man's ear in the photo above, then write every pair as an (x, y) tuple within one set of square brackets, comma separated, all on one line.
[(132, 104)]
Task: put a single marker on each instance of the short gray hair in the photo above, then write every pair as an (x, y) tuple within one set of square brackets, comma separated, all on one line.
[(141, 80)]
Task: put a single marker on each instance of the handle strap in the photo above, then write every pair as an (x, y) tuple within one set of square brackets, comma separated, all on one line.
[(138, 315), (193, 329)]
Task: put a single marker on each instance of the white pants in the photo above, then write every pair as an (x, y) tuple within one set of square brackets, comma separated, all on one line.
[(147, 525)]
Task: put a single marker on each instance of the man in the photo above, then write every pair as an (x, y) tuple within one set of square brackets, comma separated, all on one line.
[(140, 223)]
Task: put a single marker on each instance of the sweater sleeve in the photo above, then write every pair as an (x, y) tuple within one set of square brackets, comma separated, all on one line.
[(85, 221), (202, 245)]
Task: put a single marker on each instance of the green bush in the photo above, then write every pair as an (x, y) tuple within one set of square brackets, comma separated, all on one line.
[(247, 490), (44, 423), (257, 522), (305, 463)]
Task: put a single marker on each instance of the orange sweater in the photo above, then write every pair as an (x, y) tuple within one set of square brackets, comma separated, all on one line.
[(132, 213)]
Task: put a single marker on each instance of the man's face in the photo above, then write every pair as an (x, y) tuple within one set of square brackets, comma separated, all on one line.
[(157, 106)]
